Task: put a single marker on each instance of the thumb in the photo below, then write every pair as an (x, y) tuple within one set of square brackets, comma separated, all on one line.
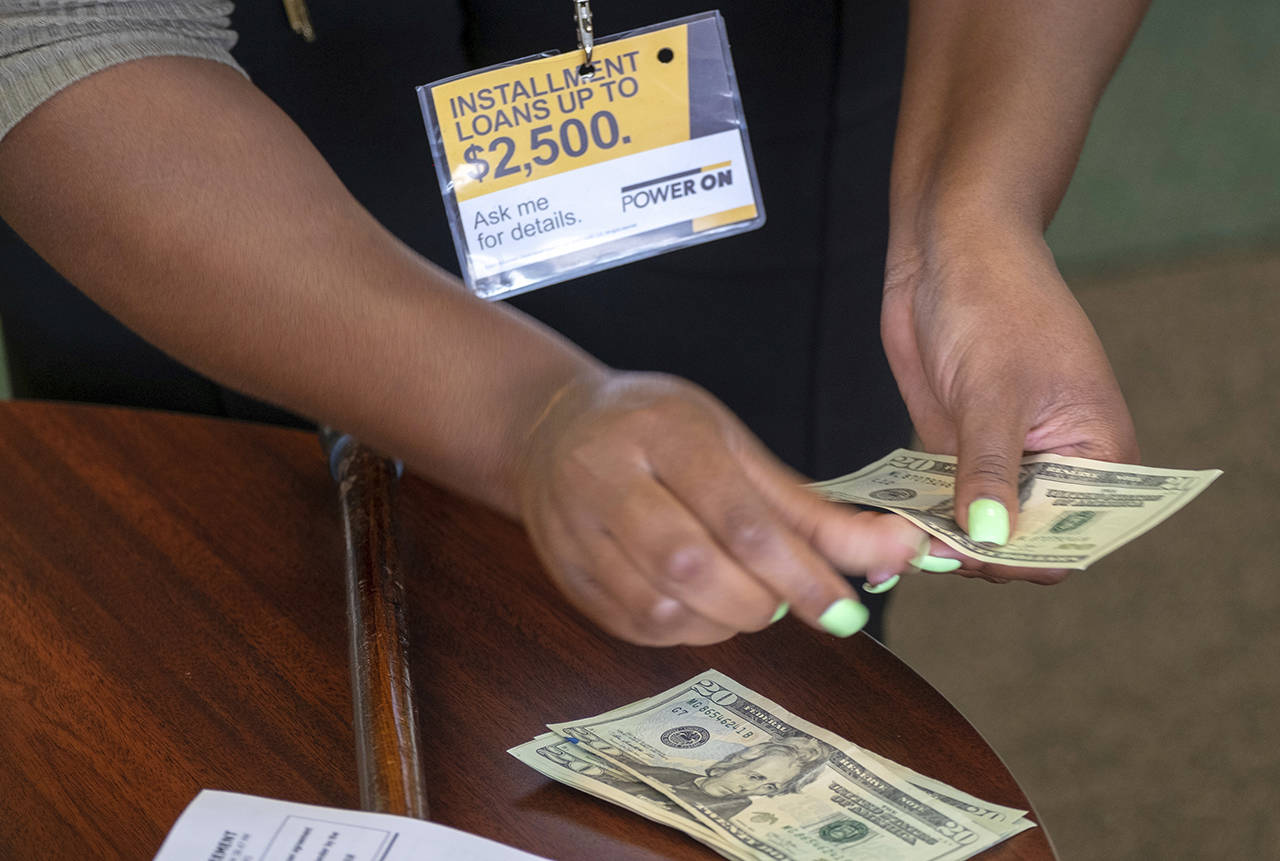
[(850, 539), (989, 456)]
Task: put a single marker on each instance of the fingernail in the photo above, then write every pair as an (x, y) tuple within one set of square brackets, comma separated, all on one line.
[(881, 587), (844, 618), (918, 560), (988, 522), (933, 564), (913, 564), (780, 612)]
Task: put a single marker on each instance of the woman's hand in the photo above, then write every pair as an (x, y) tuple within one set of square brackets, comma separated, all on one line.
[(995, 358), (663, 519), (990, 350)]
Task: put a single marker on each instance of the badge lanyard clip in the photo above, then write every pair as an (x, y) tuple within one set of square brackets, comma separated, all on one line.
[(586, 36), (300, 19)]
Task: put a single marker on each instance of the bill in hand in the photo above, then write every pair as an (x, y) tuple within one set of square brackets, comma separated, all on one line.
[(1072, 511)]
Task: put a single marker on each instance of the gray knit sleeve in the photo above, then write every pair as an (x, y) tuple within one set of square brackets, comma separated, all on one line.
[(46, 45)]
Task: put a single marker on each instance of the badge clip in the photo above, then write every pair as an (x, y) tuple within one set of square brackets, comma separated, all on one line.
[(586, 36)]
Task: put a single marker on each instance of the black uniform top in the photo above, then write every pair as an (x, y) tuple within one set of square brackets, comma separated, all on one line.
[(781, 323)]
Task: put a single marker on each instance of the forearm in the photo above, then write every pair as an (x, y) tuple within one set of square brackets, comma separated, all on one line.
[(996, 102), (179, 198), (993, 355)]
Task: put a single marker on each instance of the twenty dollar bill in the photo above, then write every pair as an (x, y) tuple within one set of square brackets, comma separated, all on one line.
[(764, 783), (1072, 511), (575, 765)]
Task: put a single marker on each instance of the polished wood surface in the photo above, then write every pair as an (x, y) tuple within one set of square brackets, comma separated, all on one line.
[(172, 601), (385, 716)]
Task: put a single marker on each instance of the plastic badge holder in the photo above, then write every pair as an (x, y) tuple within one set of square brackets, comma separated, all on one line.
[(551, 168)]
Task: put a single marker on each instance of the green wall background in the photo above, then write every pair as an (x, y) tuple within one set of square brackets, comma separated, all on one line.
[(1182, 157)]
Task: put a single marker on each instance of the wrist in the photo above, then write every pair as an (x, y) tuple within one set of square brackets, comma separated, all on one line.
[(959, 232), (550, 408), (944, 209)]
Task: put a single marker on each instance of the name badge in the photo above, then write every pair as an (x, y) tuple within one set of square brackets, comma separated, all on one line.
[(552, 168)]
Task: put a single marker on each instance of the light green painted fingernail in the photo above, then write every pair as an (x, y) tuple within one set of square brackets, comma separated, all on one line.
[(933, 564), (925, 543), (881, 587), (844, 618), (988, 522), (780, 612)]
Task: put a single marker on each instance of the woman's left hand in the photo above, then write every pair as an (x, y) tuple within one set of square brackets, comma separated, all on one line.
[(995, 358)]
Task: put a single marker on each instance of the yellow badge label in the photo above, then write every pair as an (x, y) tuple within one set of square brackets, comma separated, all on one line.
[(548, 174), (519, 123)]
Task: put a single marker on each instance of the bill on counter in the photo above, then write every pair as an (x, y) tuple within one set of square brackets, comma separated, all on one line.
[(750, 779), (574, 765), (1072, 511)]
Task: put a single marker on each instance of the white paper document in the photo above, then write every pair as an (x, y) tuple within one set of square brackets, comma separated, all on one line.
[(228, 826)]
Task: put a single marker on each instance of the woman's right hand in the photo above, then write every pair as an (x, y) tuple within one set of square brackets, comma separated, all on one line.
[(653, 509), (663, 519)]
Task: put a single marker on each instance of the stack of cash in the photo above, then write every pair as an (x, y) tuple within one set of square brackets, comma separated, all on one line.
[(751, 780), (1071, 511)]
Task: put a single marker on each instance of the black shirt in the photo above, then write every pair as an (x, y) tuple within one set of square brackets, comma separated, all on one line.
[(781, 323)]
